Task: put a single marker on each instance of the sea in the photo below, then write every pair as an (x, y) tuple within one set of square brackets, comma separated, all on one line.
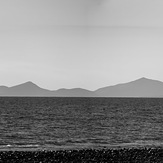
[(60, 123)]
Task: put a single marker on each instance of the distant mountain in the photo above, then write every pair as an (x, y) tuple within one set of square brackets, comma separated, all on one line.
[(31, 89), (142, 87), (75, 92), (3, 89), (25, 89)]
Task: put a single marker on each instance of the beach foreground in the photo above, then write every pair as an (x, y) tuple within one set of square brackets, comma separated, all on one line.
[(142, 155)]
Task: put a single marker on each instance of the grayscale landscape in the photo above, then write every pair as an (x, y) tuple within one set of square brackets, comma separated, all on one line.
[(81, 81)]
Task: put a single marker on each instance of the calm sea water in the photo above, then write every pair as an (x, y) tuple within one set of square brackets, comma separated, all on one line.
[(61, 123)]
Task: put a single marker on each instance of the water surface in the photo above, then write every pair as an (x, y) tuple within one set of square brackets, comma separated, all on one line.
[(61, 123)]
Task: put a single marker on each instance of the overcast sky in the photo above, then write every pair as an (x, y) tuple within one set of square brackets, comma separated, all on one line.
[(80, 43)]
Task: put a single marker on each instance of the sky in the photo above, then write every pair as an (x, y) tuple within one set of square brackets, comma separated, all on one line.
[(80, 43)]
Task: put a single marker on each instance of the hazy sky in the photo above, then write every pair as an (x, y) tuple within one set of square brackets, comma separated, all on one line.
[(80, 43)]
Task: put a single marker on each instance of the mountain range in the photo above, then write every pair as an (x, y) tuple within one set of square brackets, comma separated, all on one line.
[(142, 87)]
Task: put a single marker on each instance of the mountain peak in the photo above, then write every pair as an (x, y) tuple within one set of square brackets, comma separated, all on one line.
[(146, 80), (143, 78), (26, 85), (30, 83)]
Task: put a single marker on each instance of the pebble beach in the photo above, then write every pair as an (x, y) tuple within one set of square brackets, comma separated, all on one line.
[(126, 155)]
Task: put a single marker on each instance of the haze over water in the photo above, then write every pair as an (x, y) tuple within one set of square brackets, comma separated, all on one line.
[(61, 123)]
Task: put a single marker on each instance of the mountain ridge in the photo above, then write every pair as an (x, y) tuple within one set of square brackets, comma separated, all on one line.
[(142, 87)]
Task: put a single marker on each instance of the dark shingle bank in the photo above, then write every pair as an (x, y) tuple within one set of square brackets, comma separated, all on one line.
[(133, 155)]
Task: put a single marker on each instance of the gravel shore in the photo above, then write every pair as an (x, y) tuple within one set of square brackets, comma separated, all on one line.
[(132, 155)]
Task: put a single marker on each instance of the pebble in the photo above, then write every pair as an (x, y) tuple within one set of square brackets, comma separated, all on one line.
[(134, 155)]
